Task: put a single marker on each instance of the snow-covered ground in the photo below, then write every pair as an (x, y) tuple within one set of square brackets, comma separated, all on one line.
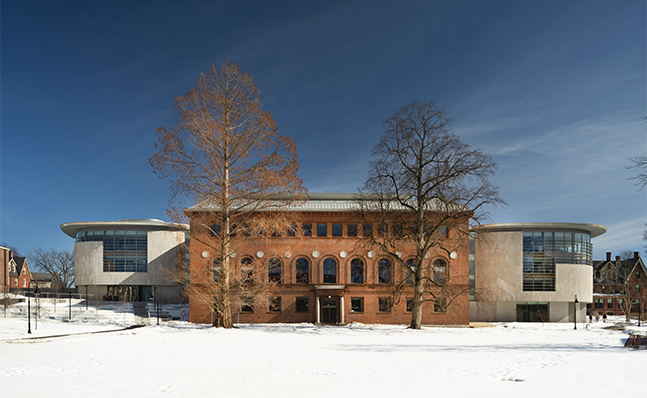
[(302, 360)]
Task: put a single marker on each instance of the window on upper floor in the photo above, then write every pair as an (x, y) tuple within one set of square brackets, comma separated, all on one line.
[(357, 270), (306, 229), (322, 229), (336, 230), (367, 229), (440, 271), (384, 271), (609, 303), (302, 266), (217, 269), (409, 270), (330, 270), (247, 269), (352, 229), (598, 303), (274, 266), (442, 231)]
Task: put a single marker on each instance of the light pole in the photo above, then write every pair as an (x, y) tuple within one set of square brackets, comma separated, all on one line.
[(70, 306), (575, 312), (28, 312), (29, 307), (157, 305)]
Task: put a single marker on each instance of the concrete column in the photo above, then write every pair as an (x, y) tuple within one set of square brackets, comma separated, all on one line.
[(341, 310), (317, 310)]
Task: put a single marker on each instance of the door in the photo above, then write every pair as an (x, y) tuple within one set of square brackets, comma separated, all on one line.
[(329, 311)]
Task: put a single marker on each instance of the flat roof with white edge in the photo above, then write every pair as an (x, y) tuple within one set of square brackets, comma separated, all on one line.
[(71, 228), (594, 230)]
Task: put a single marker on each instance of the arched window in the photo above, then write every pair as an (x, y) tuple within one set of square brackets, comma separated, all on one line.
[(409, 270), (330, 270), (384, 271), (357, 270), (274, 270), (303, 270), (217, 269), (247, 269), (440, 271)]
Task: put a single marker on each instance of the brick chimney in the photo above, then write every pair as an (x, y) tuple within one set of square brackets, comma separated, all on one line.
[(636, 254), (617, 259), (608, 256)]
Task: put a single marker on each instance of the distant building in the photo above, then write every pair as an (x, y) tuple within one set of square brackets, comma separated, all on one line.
[(125, 259), (5, 256), (618, 280), (532, 272), (20, 274)]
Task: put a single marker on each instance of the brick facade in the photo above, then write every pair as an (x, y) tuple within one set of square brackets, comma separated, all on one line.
[(605, 285), (336, 302)]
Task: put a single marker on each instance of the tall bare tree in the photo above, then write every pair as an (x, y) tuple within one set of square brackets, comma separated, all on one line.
[(639, 164), (226, 157), (58, 263), (423, 181)]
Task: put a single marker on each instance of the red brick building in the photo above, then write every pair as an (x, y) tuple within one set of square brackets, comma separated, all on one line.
[(615, 281), (325, 277), (5, 257), (20, 274)]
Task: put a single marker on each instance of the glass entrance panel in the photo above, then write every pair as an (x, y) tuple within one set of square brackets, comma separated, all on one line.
[(329, 311)]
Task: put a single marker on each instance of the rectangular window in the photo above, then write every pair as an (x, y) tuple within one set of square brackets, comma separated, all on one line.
[(322, 229), (442, 232), (247, 304), (352, 229), (409, 304), (382, 230), (367, 229), (357, 304), (599, 303), (306, 229), (440, 305), (292, 230), (638, 274), (336, 230), (215, 230), (384, 304), (275, 304), (24, 283), (302, 304), (637, 288), (609, 303)]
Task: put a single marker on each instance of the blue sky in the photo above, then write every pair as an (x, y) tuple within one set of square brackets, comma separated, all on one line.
[(555, 91)]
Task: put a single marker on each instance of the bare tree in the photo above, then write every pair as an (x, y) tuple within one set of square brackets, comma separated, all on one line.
[(58, 263), (226, 156), (625, 279), (423, 183), (639, 164)]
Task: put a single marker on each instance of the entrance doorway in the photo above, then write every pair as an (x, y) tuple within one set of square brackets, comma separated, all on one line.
[(329, 311), (532, 312)]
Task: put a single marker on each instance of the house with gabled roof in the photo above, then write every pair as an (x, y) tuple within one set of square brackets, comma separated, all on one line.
[(19, 273), (619, 286)]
